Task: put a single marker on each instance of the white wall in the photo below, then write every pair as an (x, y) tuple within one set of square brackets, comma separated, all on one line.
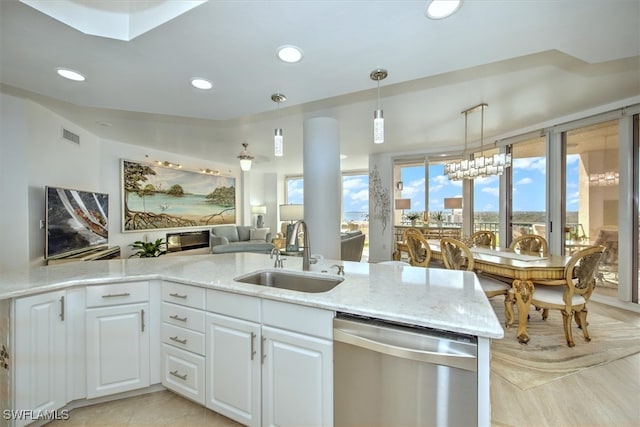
[(33, 155), (13, 182), (111, 154)]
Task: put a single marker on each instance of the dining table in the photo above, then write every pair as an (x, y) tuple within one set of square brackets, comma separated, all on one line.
[(523, 270)]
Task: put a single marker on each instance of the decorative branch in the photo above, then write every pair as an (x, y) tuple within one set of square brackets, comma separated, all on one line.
[(380, 196)]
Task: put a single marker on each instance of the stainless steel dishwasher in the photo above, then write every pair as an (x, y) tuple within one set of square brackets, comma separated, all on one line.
[(387, 374)]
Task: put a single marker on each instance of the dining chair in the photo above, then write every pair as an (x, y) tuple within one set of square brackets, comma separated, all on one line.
[(570, 294), (530, 244), (458, 256), (484, 238), (418, 247)]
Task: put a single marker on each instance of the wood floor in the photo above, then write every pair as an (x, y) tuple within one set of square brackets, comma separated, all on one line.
[(607, 395)]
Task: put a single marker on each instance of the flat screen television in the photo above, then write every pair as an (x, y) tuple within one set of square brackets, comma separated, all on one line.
[(75, 221)]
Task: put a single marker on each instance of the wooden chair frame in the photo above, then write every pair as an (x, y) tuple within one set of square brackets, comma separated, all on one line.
[(419, 250), (579, 281), (530, 244), (483, 238)]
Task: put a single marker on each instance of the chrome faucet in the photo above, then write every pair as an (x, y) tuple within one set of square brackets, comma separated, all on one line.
[(278, 262), (306, 249)]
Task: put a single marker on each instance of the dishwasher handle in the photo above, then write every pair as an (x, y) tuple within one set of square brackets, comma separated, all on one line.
[(467, 362)]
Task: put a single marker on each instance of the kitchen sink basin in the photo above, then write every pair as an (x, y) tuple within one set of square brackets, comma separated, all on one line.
[(291, 280)]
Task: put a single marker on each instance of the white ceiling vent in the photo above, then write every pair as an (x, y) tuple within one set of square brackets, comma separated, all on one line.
[(70, 136)]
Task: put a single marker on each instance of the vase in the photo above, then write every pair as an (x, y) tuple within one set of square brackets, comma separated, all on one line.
[(413, 222)]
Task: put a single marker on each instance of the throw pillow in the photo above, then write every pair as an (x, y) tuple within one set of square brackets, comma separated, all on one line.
[(259, 233), (228, 231), (244, 233)]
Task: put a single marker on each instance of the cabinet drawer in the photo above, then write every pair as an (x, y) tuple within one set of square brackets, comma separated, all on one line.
[(183, 372), (298, 318), (234, 305), (183, 338), (117, 294), (184, 317), (177, 293)]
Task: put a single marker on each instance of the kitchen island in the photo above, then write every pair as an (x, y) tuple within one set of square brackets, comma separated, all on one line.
[(431, 298)]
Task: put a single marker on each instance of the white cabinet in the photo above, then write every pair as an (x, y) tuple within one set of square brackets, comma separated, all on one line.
[(233, 368), (183, 340), (269, 363), (297, 379), (40, 353), (117, 338), (297, 371)]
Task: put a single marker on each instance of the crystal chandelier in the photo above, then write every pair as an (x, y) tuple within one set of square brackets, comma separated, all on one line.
[(604, 179), (482, 165)]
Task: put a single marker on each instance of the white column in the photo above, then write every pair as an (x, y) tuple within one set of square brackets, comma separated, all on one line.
[(322, 185)]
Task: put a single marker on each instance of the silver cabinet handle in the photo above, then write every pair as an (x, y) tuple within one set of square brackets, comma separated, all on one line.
[(124, 294), (178, 318), (177, 375), (62, 308), (177, 295), (176, 339), (253, 350), (142, 319)]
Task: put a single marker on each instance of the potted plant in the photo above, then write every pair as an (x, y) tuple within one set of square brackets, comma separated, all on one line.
[(149, 249), (413, 216), (438, 217)]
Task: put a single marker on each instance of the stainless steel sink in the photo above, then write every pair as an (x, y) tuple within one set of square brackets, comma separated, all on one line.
[(291, 280)]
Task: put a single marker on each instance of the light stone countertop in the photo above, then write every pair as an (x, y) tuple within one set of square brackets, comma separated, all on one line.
[(434, 298)]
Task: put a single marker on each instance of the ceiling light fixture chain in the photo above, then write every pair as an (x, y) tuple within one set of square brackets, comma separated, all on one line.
[(278, 140), (378, 118), (479, 166)]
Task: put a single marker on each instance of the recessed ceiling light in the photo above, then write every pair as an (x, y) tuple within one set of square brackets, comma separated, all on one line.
[(290, 54), (440, 9), (201, 83), (70, 74)]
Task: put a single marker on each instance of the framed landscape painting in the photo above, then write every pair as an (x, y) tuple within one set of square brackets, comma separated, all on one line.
[(156, 197)]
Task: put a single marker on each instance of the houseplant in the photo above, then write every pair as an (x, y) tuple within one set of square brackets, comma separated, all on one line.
[(413, 216), (149, 249), (438, 217)]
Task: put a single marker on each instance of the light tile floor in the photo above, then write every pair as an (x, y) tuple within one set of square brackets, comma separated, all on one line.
[(162, 408)]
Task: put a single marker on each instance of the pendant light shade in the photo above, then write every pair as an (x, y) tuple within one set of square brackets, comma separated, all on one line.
[(378, 118), (245, 158), (278, 140)]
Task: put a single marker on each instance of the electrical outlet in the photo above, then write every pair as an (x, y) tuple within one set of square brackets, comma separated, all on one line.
[(41, 224)]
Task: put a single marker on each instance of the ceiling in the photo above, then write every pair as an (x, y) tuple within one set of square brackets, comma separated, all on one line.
[(532, 62)]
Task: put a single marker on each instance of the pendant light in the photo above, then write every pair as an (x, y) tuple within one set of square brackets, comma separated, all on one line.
[(278, 142), (378, 119), (245, 158)]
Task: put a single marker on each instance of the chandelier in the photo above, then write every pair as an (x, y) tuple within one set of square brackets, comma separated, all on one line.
[(604, 179), (479, 166)]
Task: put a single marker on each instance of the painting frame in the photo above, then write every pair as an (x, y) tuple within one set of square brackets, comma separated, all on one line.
[(157, 197)]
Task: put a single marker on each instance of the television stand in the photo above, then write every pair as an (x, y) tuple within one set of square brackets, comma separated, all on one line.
[(95, 254)]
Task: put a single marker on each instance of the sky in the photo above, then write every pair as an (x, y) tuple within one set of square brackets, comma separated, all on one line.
[(529, 177)]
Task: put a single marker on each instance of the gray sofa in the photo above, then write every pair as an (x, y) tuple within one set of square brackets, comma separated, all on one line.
[(239, 238)]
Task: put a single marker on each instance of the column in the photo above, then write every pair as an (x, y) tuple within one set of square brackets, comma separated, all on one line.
[(322, 185)]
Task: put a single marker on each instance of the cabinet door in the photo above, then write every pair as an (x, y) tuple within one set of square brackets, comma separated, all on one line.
[(117, 349), (233, 368), (297, 379), (40, 350)]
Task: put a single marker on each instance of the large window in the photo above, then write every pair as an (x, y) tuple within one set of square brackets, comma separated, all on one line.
[(591, 203), (528, 188)]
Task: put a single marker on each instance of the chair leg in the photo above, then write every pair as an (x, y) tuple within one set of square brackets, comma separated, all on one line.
[(566, 320), (509, 303), (581, 320), (545, 313)]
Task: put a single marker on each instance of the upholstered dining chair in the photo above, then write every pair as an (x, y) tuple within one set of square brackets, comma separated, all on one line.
[(418, 247), (530, 244), (571, 294), (483, 238), (458, 256)]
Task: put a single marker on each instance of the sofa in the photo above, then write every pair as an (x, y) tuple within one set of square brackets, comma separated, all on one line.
[(351, 245), (239, 238)]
